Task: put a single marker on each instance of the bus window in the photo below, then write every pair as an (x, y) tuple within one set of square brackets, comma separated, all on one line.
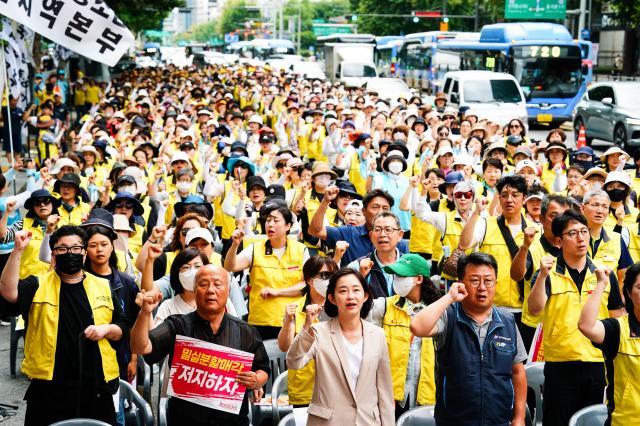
[(548, 71)]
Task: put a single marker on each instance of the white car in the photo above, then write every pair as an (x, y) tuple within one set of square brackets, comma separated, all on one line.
[(496, 96), (388, 88), (146, 62)]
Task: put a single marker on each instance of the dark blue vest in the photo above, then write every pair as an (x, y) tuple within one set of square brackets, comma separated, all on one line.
[(473, 384)]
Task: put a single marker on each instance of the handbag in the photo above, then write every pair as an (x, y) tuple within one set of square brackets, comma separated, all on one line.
[(449, 265)]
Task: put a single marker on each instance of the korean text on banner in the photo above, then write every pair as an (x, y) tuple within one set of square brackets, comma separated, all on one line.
[(88, 27), (205, 374)]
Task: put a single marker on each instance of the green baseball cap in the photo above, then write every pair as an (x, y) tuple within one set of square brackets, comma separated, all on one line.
[(410, 265)]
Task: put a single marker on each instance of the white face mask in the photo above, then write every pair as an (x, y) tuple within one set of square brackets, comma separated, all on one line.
[(323, 180), (402, 285), (309, 120), (398, 135), (127, 188), (395, 167), (183, 186), (187, 279), (321, 286)]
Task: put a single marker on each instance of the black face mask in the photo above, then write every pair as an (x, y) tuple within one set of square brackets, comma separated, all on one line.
[(617, 195), (69, 263), (585, 164)]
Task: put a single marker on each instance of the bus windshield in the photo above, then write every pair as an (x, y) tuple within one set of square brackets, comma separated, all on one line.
[(548, 71), (487, 91)]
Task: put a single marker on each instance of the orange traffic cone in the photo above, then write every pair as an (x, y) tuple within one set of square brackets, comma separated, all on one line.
[(582, 138)]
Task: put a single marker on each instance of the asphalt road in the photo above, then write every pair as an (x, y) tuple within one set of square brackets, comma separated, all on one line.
[(540, 133)]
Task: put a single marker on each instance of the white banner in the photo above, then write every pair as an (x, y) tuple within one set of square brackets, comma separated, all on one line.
[(88, 27), (17, 46)]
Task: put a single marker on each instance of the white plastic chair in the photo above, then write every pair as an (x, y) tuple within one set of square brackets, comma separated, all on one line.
[(535, 382), (593, 415)]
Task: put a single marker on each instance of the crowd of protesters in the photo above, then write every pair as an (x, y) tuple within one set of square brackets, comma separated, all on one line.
[(402, 253)]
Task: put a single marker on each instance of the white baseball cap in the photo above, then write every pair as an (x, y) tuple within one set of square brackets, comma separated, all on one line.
[(196, 233), (618, 176), (526, 163)]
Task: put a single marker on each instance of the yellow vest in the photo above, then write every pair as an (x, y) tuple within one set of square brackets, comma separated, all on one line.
[(507, 292), (634, 244), (608, 253), (42, 332), (626, 364), (355, 177), (229, 222), (436, 244), (548, 176), (300, 382), (537, 252), (562, 339), (451, 237), (269, 271), (30, 263), (396, 328), (135, 242), (629, 221), (75, 216), (421, 238)]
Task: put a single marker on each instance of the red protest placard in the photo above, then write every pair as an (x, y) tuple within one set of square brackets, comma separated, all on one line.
[(205, 374)]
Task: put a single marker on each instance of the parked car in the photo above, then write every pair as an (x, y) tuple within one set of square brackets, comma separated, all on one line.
[(308, 70), (388, 88), (609, 111), (493, 95)]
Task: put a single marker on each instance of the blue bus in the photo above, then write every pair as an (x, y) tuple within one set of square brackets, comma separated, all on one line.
[(542, 56), (261, 48), (386, 55), (421, 65)]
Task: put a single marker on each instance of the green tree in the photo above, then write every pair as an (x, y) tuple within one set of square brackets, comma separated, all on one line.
[(627, 12), (141, 15), (234, 15)]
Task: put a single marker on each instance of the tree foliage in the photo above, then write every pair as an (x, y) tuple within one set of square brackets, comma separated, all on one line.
[(141, 15), (234, 15), (627, 12)]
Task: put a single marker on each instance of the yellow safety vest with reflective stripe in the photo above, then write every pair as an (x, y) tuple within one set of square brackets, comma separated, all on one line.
[(626, 365), (42, 333), (396, 328), (300, 382), (30, 263), (267, 270), (507, 291), (562, 339)]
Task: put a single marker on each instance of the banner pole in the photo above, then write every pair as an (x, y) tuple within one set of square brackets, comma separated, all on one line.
[(6, 78)]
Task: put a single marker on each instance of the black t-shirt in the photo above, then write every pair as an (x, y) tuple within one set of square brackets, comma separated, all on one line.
[(75, 315), (231, 330)]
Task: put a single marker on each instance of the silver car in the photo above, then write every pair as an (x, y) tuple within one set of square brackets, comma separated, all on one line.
[(611, 112)]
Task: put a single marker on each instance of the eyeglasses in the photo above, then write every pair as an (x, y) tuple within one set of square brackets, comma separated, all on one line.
[(466, 195), (597, 206), (448, 117), (324, 275), (297, 169), (124, 206), (359, 103), (584, 233), (281, 165), (65, 250), (515, 126), (185, 231), (388, 230), (443, 134), (41, 202), (475, 282)]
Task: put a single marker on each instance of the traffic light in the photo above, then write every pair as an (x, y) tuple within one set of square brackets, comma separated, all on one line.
[(416, 19)]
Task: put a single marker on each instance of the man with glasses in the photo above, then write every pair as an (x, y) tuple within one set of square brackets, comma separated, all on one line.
[(605, 248), (73, 320), (500, 237), (358, 237), (574, 375), (479, 351), (385, 235)]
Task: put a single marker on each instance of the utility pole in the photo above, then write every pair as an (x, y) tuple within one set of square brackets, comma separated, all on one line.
[(299, 25), (476, 21), (582, 17)]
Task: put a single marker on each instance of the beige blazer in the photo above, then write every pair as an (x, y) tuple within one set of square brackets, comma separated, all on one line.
[(333, 402)]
